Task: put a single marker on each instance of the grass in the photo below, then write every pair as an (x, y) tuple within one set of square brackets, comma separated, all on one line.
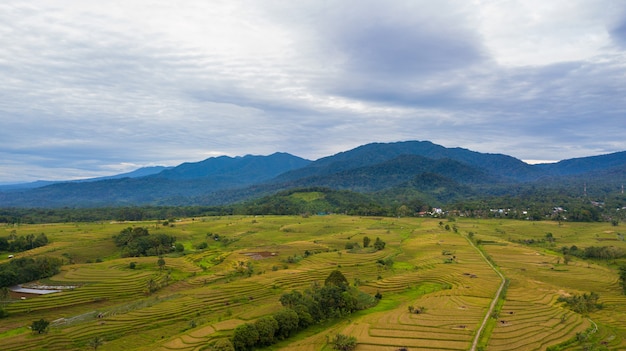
[(203, 286)]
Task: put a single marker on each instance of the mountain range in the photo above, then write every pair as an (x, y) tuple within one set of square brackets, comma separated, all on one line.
[(418, 169)]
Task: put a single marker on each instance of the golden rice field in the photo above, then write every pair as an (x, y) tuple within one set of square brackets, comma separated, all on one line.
[(203, 294)]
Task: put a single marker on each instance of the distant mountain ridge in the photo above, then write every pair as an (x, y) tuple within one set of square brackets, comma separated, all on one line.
[(140, 172), (395, 170)]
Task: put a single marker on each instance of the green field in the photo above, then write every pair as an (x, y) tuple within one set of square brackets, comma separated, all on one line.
[(203, 294)]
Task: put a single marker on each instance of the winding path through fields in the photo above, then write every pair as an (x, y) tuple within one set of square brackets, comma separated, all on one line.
[(495, 298)]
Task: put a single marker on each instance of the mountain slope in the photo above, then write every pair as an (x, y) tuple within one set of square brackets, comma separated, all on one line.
[(584, 164), (247, 169), (418, 170), (174, 186), (499, 165), (140, 172)]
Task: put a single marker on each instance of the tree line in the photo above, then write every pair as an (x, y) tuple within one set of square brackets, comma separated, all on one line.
[(531, 203), (26, 269), (14, 243)]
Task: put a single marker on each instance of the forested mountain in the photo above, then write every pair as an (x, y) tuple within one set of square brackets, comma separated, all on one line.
[(585, 164), (172, 186), (498, 165), (247, 169), (419, 172)]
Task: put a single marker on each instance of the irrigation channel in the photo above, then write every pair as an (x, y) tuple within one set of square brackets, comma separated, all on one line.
[(495, 299)]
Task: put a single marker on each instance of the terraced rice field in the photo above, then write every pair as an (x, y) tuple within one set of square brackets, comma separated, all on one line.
[(202, 295)]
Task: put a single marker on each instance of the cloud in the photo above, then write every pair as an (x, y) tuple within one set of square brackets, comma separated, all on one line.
[(90, 88)]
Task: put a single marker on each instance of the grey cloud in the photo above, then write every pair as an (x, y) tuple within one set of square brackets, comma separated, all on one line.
[(405, 49), (618, 34), (91, 91)]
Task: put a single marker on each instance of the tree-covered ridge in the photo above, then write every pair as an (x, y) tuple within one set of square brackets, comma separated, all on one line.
[(431, 173)]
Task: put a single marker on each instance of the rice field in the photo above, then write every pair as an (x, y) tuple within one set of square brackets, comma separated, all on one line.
[(201, 295)]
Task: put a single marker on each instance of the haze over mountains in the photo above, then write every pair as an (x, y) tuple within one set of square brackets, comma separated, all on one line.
[(421, 168)]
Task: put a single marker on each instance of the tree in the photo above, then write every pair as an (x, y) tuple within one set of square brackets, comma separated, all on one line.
[(223, 345), (336, 278), (152, 286), (40, 326), (403, 211), (266, 327), (287, 320), (179, 247), (622, 278), (245, 337), (366, 241), (30, 238), (96, 342), (343, 342), (4, 294), (379, 244), (161, 263)]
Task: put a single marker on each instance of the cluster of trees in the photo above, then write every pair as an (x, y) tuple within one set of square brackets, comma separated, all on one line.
[(26, 269), (332, 300), (594, 252), (354, 246), (21, 243), (137, 241), (582, 304)]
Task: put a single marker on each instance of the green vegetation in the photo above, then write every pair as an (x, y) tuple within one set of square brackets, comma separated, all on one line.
[(343, 342), (288, 282), (417, 197), (318, 304), (14, 243), (583, 304), (139, 242), (40, 326), (23, 269)]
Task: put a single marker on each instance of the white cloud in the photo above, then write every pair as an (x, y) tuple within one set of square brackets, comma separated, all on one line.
[(537, 33), (90, 88)]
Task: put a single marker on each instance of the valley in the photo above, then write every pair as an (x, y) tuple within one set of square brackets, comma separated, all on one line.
[(435, 277)]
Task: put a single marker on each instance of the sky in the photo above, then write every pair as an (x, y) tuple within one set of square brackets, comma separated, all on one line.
[(95, 88)]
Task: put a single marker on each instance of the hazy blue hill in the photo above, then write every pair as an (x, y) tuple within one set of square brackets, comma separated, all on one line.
[(29, 185), (176, 186), (141, 172), (248, 168), (584, 164)]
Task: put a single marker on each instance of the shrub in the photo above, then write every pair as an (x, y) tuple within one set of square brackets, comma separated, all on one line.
[(40, 326), (343, 342)]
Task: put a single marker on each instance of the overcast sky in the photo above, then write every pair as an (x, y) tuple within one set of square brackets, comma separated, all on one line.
[(93, 88)]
